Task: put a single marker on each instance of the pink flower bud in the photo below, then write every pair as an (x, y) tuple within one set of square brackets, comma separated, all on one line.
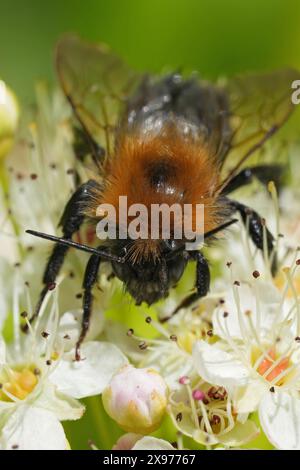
[(136, 399), (127, 441)]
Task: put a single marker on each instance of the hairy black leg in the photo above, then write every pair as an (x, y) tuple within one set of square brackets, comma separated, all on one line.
[(257, 228), (70, 222), (163, 276), (90, 277), (264, 173), (84, 143), (202, 282)]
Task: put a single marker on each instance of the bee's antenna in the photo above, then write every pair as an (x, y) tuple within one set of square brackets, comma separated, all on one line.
[(209, 234), (63, 241)]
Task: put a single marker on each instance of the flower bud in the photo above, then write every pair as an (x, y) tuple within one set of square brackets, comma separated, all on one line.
[(127, 441), (136, 399), (9, 114)]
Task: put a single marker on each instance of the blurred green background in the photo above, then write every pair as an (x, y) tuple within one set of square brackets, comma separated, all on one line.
[(213, 36)]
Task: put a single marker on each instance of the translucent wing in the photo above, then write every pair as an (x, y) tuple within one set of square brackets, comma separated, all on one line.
[(258, 106), (96, 83)]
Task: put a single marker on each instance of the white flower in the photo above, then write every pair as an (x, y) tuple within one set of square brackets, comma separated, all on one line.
[(169, 348), (206, 414), (257, 358), (136, 399), (41, 381)]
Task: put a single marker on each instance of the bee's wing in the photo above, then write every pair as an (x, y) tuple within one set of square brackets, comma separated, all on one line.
[(258, 106), (96, 83)]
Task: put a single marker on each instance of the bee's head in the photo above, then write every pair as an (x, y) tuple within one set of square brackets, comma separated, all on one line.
[(148, 279)]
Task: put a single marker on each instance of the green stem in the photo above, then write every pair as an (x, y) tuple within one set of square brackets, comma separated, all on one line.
[(101, 422)]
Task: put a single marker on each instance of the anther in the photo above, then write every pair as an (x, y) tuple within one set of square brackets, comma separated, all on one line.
[(148, 320), (33, 176), (45, 334), (143, 345), (48, 362), (184, 380), (209, 333), (236, 283), (211, 392), (24, 314), (215, 420), (225, 314), (179, 417), (130, 332), (256, 274), (198, 395), (173, 338), (272, 389), (51, 286)]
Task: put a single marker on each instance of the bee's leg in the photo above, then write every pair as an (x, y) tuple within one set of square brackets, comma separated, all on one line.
[(70, 222), (202, 282), (264, 173), (90, 277), (257, 227)]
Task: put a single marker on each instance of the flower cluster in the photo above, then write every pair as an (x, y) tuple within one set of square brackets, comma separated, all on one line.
[(224, 373)]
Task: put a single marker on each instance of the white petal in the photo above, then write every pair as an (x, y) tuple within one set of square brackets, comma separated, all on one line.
[(247, 399), (92, 374), (32, 428), (269, 299), (116, 333), (218, 367), (63, 406), (240, 434), (152, 443), (279, 415), (70, 324)]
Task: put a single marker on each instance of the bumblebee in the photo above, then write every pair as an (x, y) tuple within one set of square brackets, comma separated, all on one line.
[(165, 139)]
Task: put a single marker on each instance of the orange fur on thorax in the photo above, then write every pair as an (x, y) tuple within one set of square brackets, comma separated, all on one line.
[(195, 179)]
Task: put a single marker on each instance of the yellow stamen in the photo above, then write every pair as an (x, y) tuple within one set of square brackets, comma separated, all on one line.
[(19, 384)]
